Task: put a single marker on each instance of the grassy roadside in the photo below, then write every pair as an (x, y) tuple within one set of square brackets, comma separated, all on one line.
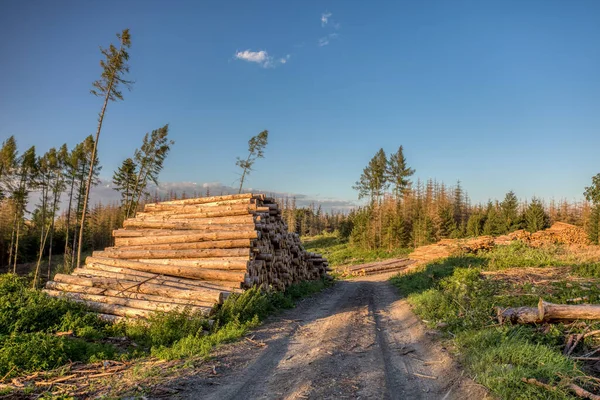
[(39, 333), (458, 296), (340, 252)]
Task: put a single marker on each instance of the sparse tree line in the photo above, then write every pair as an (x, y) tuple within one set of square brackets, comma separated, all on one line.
[(31, 232), (34, 188)]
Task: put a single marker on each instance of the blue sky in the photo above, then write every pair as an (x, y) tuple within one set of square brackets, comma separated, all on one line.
[(501, 95)]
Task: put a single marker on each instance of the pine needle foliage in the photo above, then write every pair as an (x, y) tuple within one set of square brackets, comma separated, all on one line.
[(256, 149)]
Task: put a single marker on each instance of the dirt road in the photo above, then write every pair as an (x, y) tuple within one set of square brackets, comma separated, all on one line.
[(355, 340)]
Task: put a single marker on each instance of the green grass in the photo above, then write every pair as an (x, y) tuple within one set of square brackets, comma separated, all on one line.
[(238, 314), (454, 296), (29, 321), (340, 252)]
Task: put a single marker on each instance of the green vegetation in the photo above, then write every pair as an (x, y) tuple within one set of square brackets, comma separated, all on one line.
[(592, 194), (38, 332), (339, 251), (29, 321), (458, 295)]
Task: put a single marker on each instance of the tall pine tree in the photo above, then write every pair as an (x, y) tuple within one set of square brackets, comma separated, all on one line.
[(398, 173)]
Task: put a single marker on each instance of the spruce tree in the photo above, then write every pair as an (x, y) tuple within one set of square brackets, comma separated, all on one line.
[(373, 180), (509, 211), (398, 173), (493, 221), (149, 160), (475, 224), (124, 180), (8, 165), (447, 222), (25, 183), (536, 218)]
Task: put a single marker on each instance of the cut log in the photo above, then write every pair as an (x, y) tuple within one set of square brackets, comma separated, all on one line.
[(213, 199), (189, 282), (211, 244), (170, 215), (66, 287), (188, 253), (215, 296), (113, 309), (133, 303), (518, 315), (153, 279), (172, 239), (548, 312), (244, 221), (184, 271), (170, 209), (228, 264), (210, 232)]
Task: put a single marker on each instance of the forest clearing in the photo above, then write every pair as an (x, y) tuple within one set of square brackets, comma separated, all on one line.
[(158, 241)]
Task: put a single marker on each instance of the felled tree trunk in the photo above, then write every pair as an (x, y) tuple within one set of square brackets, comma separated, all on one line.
[(548, 312)]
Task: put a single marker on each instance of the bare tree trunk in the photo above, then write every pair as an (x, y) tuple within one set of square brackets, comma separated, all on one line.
[(42, 236), (137, 190), (39, 261), (91, 174), (69, 220), (12, 241), (77, 220), (54, 206), (16, 246), (244, 174)]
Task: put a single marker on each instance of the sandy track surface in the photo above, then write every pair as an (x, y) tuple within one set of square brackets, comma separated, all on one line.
[(356, 340)]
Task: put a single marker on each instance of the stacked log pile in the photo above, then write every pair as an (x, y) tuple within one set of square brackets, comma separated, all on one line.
[(447, 247), (558, 233), (379, 267), (191, 253)]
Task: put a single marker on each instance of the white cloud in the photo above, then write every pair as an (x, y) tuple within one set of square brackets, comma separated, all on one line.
[(261, 57), (327, 20), (324, 41)]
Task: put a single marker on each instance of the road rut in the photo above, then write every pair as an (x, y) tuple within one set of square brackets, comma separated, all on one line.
[(358, 339)]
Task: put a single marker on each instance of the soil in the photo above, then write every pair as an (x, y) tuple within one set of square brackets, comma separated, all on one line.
[(356, 340)]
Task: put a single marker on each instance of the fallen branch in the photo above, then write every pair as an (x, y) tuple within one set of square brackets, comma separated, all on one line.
[(581, 392), (424, 376), (535, 382)]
